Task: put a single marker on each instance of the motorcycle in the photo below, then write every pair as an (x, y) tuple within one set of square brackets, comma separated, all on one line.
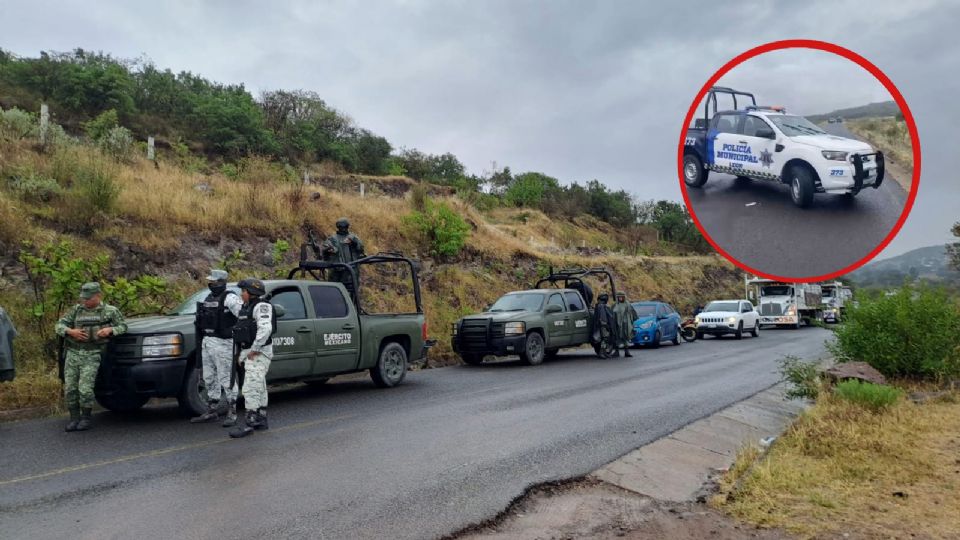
[(688, 329)]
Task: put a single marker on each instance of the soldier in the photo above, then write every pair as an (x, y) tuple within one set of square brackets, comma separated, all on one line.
[(253, 333), (216, 316), (87, 327), (604, 327), (625, 314), (342, 247), (8, 333)]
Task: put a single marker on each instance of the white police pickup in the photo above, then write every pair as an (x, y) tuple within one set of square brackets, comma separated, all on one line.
[(766, 143)]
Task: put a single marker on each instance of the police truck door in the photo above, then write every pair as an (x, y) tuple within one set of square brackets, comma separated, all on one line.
[(722, 141), (293, 343), (759, 138), (338, 330)]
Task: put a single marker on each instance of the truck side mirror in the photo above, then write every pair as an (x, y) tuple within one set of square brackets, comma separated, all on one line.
[(553, 308), (765, 133), (750, 295)]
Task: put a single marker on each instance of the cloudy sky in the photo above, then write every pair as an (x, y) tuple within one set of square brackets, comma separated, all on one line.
[(578, 90)]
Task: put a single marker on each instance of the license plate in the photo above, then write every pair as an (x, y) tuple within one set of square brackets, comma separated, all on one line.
[(711, 326)]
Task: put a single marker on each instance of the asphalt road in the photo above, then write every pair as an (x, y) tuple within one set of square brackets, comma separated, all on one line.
[(776, 237), (447, 448)]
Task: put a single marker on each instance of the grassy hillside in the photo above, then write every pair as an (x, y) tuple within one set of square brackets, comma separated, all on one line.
[(164, 219), (890, 135), (928, 264), (882, 108)]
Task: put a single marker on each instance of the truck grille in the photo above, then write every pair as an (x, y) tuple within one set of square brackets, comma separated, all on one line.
[(771, 309), (476, 333), (124, 349), (712, 320)]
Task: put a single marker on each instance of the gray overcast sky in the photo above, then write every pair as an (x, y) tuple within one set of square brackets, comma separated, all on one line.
[(578, 90)]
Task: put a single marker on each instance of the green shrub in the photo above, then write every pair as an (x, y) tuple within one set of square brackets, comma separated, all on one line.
[(913, 333), (117, 143), (94, 194), (99, 127), (444, 232), (32, 187), (874, 397), (803, 377), (16, 124)]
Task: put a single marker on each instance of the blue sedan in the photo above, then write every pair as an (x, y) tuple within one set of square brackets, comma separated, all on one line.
[(656, 322)]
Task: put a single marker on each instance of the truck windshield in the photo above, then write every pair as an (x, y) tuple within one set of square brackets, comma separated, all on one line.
[(518, 302), (776, 290), (827, 293), (722, 306), (189, 306), (794, 126), (645, 310)]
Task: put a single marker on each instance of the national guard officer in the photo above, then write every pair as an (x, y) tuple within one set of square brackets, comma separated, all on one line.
[(342, 247), (87, 327), (626, 315), (216, 316), (253, 333)]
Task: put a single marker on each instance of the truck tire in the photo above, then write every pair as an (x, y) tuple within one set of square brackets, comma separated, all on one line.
[(533, 351), (694, 174), (800, 180), (739, 333), (756, 330), (391, 367), (122, 403), (192, 398), (473, 359)]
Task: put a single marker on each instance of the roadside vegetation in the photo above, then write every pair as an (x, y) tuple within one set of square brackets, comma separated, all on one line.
[(866, 460), (85, 203), (890, 135)]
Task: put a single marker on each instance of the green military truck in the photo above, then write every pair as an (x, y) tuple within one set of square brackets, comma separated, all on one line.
[(535, 323), (320, 333)]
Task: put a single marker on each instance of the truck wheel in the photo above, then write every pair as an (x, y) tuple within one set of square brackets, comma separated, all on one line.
[(122, 403), (756, 330), (551, 353), (391, 367), (801, 186), (193, 394), (473, 359), (694, 174), (739, 333), (534, 351)]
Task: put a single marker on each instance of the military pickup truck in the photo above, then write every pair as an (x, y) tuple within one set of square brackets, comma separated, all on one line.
[(534, 323), (766, 143), (320, 333)]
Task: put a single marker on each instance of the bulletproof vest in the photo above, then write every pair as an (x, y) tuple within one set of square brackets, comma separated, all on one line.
[(92, 321), (213, 318), (245, 330)]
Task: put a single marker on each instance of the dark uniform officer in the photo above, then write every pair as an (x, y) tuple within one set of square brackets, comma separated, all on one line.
[(87, 327)]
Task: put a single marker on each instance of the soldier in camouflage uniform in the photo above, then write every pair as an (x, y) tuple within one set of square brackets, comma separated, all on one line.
[(254, 334), (216, 316), (86, 327), (342, 247), (626, 315)]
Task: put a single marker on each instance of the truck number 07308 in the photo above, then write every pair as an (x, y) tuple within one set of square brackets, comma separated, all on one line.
[(282, 341)]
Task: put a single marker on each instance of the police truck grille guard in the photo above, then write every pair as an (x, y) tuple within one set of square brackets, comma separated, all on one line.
[(478, 334), (860, 174)]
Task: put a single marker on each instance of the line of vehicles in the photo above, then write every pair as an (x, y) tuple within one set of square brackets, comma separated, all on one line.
[(322, 330), (766, 143)]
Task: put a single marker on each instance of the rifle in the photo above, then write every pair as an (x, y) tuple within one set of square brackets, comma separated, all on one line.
[(235, 368), (61, 357)]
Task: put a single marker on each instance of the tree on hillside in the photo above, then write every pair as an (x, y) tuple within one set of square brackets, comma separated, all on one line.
[(532, 190), (953, 250)]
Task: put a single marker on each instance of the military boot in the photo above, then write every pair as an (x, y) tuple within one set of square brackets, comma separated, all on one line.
[(242, 431), (261, 420), (74, 420), (85, 422), (211, 414), (230, 419), (626, 353)]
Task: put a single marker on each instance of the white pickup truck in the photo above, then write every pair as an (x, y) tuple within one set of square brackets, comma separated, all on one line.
[(766, 143)]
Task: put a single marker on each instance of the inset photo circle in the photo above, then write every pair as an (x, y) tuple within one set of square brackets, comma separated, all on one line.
[(799, 160)]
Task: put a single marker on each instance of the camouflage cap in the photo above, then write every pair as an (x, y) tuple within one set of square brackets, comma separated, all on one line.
[(217, 275), (88, 290)]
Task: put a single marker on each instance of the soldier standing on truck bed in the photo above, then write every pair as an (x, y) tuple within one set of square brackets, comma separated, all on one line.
[(87, 327), (625, 314), (343, 247), (253, 333), (216, 316)]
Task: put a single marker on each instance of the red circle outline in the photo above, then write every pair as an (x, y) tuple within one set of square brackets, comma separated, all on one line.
[(849, 55)]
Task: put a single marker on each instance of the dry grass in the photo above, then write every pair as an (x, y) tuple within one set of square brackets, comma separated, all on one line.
[(893, 138), (841, 469)]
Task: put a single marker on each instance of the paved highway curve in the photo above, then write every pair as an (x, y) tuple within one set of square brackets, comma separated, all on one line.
[(447, 448), (776, 237)]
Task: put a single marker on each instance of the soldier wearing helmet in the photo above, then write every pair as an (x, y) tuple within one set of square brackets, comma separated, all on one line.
[(342, 247), (216, 316), (253, 334)]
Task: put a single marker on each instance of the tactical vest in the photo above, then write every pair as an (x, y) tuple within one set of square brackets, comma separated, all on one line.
[(245, 331), (214, 319), (90, 321)]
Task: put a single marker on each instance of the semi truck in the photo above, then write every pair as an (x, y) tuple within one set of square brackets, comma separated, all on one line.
[(836, 297), (785, 304)]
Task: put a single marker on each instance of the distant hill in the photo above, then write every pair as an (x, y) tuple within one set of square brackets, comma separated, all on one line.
[(883, 108), (927, 264)]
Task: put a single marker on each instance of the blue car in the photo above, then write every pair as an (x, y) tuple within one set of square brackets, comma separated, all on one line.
[(656, 322)]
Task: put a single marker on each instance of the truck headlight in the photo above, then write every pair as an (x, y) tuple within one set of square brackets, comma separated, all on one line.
[(646, 325), (454, 329), (792, 310), (696, 320), (162, 346), (834, 155), (514, 328), (731, 320)]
